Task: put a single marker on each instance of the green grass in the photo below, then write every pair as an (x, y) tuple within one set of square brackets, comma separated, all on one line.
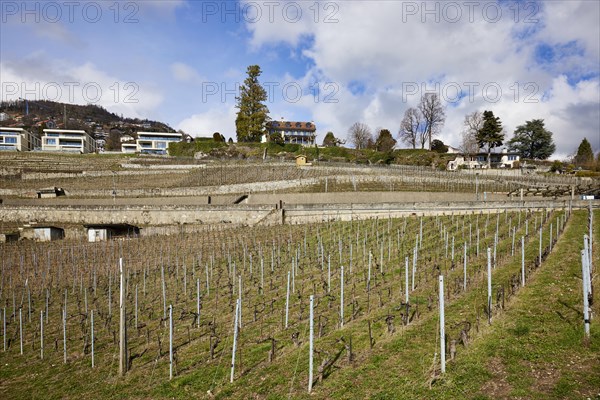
[(536, 349)]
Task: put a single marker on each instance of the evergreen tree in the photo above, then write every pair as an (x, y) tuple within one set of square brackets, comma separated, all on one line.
[(329, 140), (276, 137), (253, 115), (585, 155), (490, 135), (532, 141), (438, 146), (217, 137), (385, 141)]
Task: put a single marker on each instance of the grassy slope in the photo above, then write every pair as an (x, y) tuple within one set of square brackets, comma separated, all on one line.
[(536, 349), (532, 350)]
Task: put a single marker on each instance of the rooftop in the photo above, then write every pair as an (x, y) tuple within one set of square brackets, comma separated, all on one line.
[(301, 126)]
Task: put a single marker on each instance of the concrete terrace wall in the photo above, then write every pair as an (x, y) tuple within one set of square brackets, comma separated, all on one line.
[(139, 216), (178, 192), (302, 214), (367, 197), (254, 214)]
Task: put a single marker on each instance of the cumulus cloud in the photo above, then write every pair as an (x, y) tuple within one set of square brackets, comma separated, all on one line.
[(384, 56), (217, 119)]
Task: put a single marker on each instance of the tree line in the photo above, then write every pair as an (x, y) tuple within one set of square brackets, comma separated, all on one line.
[(419, 125)]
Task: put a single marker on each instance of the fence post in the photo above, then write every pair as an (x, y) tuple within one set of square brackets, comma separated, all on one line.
[(522, 261), (342, 297), (442, 329), (465, 268), (287, 301), (21, 329), (122, 323), (92, 333), (406, 280), (489, 285), (41, 334), (311, 345), (235, 334), (586, 311), (171, 341)]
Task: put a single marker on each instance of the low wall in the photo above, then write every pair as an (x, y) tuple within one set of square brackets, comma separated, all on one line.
[(367, 197), (302, 214), (251, 215), (138, 216)]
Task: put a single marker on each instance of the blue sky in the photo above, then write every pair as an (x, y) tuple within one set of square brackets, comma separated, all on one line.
[(331, 62)]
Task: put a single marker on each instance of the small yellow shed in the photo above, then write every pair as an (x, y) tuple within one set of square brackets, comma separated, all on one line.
[(301, 161)]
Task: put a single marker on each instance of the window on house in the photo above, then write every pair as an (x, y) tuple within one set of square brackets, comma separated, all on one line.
[(51, 142), (11, 140)]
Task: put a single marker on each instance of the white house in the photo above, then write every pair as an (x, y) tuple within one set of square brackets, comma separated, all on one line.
[(504, 159), (304, 133), (127, 138), (68, 140), (152, 142), (18, 139), (129, 148)]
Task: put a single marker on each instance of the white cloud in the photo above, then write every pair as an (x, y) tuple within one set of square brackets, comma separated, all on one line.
[(184, 73), (220, 119), (384, 47)]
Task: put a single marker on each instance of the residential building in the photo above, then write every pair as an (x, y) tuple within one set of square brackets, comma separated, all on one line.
[(129, 148), (303, 133), (504, 159), (127, 138), (68, 140), (18, 139), (152, 142)]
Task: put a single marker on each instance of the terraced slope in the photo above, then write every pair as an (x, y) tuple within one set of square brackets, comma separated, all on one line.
[(532, 349)]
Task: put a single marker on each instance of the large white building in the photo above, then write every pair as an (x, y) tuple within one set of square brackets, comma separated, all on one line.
[(152, 142), (68, 140), (303, 133), (18, 139)]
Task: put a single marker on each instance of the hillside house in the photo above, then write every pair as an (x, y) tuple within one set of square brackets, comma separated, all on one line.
[(303, 133), (152, 142), (504, 159), (68, 140), (18, 139)]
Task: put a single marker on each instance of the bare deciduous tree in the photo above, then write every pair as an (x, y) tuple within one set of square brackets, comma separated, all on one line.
[(433, 113), (411, 128), (472, 124), (360, 135)]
